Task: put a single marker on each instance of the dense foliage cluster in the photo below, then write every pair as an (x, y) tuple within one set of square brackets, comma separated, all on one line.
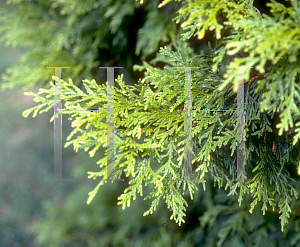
[(140, 108), (149, 115)]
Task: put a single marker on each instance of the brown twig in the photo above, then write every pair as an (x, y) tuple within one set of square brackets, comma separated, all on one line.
[(251, 79), (276, 211)]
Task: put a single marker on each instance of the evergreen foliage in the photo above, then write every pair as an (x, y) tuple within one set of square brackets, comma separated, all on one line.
[(156, 103), (80, 35), (149, 116)]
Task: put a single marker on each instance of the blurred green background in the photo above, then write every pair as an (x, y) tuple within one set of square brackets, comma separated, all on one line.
[(26, 160)]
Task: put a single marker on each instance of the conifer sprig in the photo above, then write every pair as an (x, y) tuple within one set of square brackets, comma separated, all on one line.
[(149, 117)]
